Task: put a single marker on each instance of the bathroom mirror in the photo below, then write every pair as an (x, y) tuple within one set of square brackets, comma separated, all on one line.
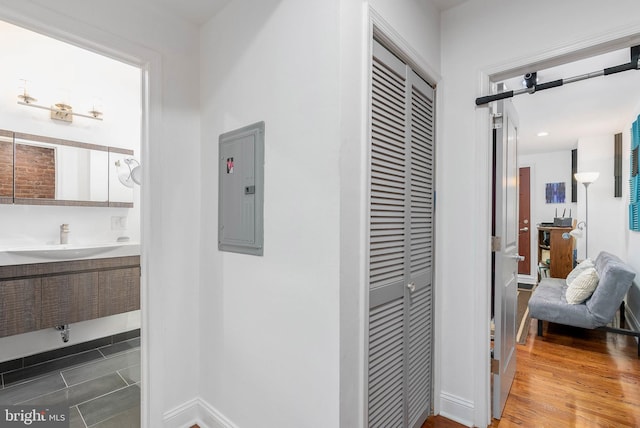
[(50, 171), (119, 172), (38, 170), (6, 167)]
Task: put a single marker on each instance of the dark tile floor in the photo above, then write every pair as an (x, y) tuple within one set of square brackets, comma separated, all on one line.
[(101, 386)]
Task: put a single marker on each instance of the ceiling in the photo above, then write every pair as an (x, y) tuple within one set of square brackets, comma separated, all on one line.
[(597, 106), (201, 11), (196, 11), (447, 4)]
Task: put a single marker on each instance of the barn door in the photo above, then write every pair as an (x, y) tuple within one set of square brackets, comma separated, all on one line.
[(506, 255), (400, 244)]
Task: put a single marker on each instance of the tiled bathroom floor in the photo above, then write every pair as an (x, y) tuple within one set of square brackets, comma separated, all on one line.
[(101, 386)]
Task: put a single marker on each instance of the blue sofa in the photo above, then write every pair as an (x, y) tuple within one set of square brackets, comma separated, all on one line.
[(548, 302)]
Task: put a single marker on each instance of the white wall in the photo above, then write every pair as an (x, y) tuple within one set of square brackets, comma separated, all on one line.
[(608, 216), (477, 36), (169, 49), (285, 330), (549, 167), (632, 238), (270, 349)]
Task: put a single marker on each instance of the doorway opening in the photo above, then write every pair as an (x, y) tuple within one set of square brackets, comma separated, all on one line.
[(84, 109), (556, 122)]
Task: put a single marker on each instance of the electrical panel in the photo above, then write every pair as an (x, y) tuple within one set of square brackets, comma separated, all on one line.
[(241, 190)]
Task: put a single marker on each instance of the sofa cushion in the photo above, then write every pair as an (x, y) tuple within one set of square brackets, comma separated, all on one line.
[(548, 303), (580, 267), (581, 288), (616, 278)]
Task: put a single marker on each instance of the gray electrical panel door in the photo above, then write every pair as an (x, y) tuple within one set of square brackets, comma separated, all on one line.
[(241, 190)]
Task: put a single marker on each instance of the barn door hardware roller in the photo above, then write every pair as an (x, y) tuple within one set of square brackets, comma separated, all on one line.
[(532, 86)]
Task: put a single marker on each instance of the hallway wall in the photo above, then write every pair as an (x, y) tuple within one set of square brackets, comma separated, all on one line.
[(284, 331), (608, 215), (632, 238), (476, 36), (271, 341)]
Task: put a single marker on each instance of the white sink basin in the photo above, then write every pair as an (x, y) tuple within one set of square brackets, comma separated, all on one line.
[(66, 251)]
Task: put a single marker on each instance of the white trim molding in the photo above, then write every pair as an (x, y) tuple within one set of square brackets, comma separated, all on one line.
[(196, 411), (457, 409), (527, 279), (381, 28)]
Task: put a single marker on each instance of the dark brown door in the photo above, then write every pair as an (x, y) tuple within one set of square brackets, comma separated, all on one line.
[(524, 236)]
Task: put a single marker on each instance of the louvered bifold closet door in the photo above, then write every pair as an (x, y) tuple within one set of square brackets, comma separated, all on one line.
[(387, 241), (421, 253), (401, 239)]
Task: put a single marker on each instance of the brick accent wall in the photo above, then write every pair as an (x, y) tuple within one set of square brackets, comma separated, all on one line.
[(35, 172), (6, 169)]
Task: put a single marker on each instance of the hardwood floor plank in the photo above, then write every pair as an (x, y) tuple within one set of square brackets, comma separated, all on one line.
[(571, 377)]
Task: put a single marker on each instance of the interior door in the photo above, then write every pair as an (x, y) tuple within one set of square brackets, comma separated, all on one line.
[(506, 253), (524, 215)]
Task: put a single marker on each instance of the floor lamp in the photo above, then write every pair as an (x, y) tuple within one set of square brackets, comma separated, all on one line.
[(585, 178)]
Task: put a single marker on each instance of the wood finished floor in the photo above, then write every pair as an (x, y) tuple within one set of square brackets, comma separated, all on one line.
[(571, 377)]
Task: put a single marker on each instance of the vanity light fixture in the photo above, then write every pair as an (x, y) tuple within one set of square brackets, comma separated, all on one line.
[(59, 111), (25, 97)]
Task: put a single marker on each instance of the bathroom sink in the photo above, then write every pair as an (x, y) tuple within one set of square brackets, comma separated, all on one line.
[(66, 251)]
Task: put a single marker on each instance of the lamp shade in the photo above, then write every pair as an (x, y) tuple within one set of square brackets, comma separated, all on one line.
[(586, 177)]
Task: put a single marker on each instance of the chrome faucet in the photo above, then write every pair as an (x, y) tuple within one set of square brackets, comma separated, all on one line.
[(64, 233)]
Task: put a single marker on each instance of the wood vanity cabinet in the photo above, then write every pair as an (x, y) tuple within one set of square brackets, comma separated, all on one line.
[(69, 298), (43, 295), (19, 306), (118, 291)]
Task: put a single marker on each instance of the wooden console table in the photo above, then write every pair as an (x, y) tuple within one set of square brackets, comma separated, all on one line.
[(559, 244)]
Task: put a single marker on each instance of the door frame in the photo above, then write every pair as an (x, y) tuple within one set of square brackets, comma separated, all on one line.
[(383, 30), (486, 77), (70, 30)]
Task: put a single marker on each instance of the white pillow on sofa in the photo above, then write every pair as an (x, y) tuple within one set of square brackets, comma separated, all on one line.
[(582, 287), (580, 267)]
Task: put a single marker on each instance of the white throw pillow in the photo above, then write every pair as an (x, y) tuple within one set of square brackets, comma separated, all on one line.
[(580, 267), (582, 287)]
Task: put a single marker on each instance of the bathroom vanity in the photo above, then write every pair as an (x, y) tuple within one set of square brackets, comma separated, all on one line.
[(36, 296)]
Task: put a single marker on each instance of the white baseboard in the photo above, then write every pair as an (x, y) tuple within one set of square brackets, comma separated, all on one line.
[(196, 411), (527, 279), (212, 418), (457, 409)]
